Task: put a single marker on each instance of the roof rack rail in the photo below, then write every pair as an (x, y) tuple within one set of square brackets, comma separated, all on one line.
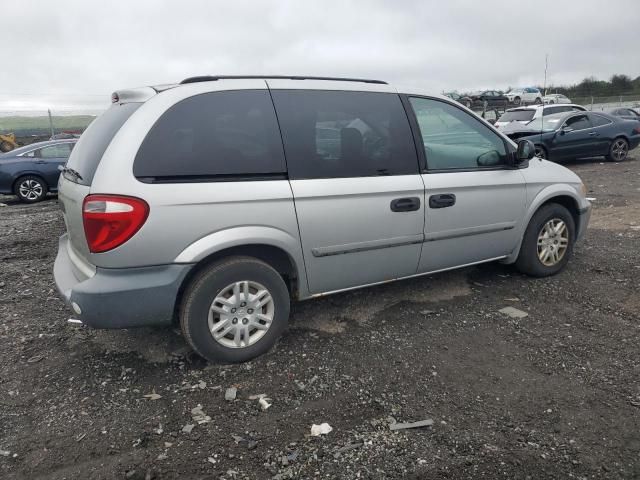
[(212, 78)]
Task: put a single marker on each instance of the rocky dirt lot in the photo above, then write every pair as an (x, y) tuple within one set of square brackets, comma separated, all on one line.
[(555, 394)]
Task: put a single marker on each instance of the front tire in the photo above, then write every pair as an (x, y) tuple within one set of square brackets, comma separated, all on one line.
[(618, 150), (30, 189), (235, 310), (548, 241), (538, 101), (541, 152), (516, 101)]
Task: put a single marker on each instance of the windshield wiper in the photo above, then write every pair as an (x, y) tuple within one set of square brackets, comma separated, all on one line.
[(65, 169)]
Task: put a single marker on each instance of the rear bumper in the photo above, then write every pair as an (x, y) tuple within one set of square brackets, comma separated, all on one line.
[(122, 297)]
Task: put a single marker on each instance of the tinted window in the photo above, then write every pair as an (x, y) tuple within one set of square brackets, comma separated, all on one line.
[(454, 139), (599, 120), (61, 150), (330, 134), (213, 134), (96, 138), (579, 122)]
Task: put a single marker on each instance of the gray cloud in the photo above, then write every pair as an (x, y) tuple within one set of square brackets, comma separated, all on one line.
[(76, 52)]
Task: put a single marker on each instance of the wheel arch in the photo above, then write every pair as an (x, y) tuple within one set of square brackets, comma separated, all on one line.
[(272, 255), (275, 247), (23, 174), (563, 195)]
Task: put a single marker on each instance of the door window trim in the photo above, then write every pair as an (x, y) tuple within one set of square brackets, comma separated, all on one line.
[(419, 144)]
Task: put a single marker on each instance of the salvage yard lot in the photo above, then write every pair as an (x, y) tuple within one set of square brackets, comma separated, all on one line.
[(555, 394)]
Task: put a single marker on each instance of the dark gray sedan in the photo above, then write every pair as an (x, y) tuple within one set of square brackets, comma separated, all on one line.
[(578, 135), (30, 172)]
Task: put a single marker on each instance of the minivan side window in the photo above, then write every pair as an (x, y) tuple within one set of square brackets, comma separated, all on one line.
[(453, 139), (331, 134), (217, 134)]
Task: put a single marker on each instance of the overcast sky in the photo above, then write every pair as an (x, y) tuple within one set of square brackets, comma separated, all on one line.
[(74, 53)]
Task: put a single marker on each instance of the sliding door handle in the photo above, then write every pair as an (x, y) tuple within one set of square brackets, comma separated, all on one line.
[(442, 200)]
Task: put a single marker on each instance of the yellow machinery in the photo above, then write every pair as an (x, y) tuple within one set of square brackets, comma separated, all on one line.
[(8, 142)]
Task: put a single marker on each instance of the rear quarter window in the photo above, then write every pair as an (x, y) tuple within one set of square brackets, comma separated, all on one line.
[(92, 144), (213, 135)]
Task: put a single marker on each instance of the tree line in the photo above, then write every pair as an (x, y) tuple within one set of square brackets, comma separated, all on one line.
[(618, 84)]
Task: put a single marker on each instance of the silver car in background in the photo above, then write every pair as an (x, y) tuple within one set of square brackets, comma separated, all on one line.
[(217, 201)]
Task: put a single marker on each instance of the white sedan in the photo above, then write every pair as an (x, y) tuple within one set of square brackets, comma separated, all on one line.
[(555, 98)]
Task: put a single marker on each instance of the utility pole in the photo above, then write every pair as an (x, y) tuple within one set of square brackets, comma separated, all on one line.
[(50, 122), (546, 66)]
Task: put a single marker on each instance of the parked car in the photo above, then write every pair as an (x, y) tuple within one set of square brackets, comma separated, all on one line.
[(579, 134), (488, 98), (524, 95), (526, 114), (462, 99), (624, 112), (179, 204), (553, 98), (31, 171), (64, 136)]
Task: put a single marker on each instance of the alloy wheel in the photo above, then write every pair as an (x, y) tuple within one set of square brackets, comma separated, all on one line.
[(553, 241), (30, 189), (619, 150), (241, 314)]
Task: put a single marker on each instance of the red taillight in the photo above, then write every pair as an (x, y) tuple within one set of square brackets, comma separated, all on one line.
[(111, 220), (636, 130)]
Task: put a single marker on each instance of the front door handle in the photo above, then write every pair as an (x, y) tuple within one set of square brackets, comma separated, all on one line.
[(442, 200), (409, 204), (593, 134)]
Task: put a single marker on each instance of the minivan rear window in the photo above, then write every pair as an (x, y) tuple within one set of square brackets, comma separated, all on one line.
[(92, 144), (216, 136), (517, 116)]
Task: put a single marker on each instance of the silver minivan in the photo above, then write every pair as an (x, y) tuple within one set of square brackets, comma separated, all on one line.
[(216, 201)]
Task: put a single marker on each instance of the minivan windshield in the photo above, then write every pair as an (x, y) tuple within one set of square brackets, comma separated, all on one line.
[(92, 144), (517, 115)]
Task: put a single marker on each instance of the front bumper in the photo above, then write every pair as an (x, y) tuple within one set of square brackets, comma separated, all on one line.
[(119, 297), (584, 215)]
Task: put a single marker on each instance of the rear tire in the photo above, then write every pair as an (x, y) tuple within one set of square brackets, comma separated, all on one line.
[(538, 101), (30, 189), (543, 253), (618, 150), (223, 317), (516, 101)]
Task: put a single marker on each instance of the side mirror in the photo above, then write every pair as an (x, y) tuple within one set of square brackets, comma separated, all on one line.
[(526, 151)]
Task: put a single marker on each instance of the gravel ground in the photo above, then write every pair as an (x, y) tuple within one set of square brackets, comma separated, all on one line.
[(553, 395)]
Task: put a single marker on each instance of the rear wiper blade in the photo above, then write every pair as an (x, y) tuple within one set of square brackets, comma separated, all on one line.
[(65, 169)]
